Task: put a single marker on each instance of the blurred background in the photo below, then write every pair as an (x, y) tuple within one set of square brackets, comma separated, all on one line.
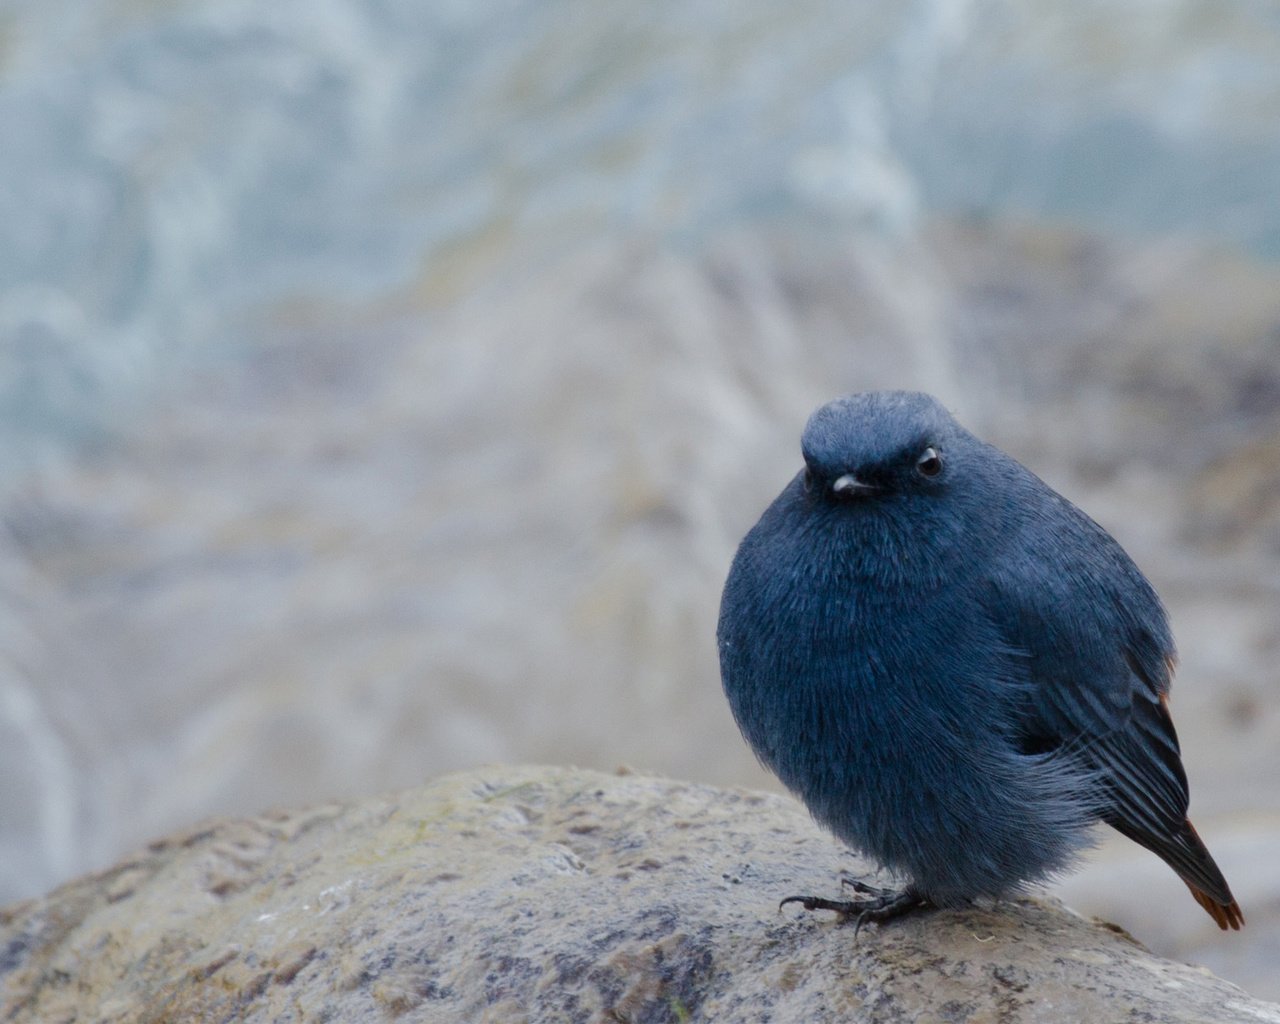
[(385, 385)]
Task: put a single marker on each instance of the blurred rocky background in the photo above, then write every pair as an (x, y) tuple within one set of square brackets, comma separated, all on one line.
[(385, 385)]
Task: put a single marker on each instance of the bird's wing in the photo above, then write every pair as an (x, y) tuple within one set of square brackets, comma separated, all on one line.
[(1098, 658)]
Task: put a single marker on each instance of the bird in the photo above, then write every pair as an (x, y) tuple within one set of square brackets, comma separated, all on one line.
[(956, 669)]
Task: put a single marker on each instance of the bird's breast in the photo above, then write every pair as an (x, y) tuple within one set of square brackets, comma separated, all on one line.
[(845, 667)]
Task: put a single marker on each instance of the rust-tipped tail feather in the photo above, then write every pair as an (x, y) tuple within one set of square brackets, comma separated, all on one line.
[(1184, 851), (1195, 865), (1227, 915)]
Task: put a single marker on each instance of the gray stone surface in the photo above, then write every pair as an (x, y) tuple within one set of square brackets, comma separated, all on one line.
[(510, 894)]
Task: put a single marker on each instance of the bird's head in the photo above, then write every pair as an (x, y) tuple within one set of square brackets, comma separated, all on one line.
[(880, 445)]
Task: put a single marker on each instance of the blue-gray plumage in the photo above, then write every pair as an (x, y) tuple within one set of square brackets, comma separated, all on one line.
[(956, 669)]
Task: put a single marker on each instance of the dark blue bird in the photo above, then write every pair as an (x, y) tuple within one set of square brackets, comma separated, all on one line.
[(957, 670)]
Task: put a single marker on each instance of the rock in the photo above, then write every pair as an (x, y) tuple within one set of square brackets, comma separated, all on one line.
[(552, 894)]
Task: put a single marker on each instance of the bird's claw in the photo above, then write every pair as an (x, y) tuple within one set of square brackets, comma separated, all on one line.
[(883, 905), (861, 887)]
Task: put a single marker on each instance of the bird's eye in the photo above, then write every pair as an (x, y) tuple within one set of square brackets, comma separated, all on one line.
[(929, 463)]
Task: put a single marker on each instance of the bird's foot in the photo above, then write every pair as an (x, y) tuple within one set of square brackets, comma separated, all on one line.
[(863, 889), (880, 905)]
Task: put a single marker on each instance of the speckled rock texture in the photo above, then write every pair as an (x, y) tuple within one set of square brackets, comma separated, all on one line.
[(529, 894)]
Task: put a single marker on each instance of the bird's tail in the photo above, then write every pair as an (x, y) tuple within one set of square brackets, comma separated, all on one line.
[(1185, 852), (1228, 915), (1219, 902)]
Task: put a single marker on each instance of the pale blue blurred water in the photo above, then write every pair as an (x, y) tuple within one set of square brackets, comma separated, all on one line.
[(172, 172)]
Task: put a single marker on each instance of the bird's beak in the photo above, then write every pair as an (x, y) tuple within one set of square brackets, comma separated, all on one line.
[(851, 485)]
